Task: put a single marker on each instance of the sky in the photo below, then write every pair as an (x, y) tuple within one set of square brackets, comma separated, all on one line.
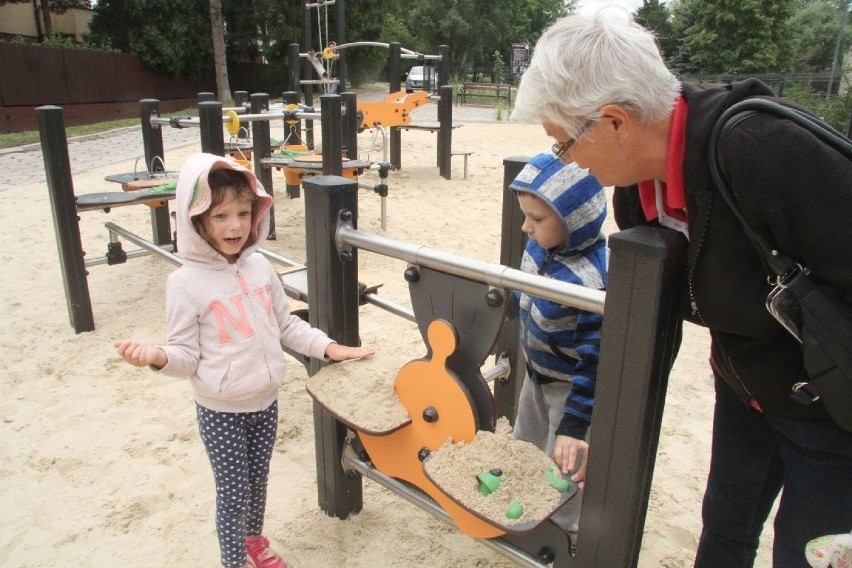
[(591, 6)]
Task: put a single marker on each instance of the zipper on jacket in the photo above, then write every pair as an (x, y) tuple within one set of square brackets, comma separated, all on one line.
[(693, 303), (256, 322), (752, 402), (550, 254)]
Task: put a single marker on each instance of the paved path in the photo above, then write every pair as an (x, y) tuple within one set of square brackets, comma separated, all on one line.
[(25, 164)]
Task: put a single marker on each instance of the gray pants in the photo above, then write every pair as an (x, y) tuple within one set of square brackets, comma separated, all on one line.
[(540, 410)]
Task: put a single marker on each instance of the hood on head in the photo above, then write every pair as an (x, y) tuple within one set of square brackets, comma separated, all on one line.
[(193, 197), (573, 193)]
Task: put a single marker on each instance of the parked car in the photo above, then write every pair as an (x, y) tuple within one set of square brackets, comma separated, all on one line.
[(421, 78)]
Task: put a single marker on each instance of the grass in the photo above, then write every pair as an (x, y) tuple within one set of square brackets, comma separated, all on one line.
[(14, 139)]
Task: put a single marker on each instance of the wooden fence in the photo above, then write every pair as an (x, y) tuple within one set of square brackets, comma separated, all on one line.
[(95, 86)]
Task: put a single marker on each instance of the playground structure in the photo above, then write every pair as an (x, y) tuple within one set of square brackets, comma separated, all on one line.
[(154, 186), (636, 357), (328, 64), (468, 295)]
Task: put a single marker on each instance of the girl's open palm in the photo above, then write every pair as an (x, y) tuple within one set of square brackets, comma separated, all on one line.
[(140, 354)]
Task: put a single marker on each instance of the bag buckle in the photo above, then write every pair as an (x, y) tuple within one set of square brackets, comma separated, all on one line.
[(781, 280), (802, 394)]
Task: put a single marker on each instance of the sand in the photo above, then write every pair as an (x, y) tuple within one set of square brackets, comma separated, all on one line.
[(100, 462)]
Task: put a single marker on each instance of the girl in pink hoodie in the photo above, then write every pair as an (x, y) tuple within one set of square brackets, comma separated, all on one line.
[(227, 318)]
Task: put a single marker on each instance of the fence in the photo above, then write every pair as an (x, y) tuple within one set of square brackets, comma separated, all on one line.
[(95, 86)]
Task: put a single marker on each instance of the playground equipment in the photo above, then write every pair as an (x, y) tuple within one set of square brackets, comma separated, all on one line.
[(66, 205), (455, 301), (339, 131), (636, 355), (330, 52)]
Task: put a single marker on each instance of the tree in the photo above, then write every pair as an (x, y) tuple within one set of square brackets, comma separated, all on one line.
[(46, 7), (740, 36), (476, 29), (217, 24), (817, 24), (170, 37), (678, 59), (656, 16)]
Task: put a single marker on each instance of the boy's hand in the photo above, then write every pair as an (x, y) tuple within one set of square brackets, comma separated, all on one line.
[(570, 454), (337, 352), (141, 354)]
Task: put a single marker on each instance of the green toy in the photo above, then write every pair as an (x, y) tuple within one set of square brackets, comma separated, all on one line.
[(489, 481), (557, 481), (515, 511)]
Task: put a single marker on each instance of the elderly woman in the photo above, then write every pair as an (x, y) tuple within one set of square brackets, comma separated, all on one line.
[(600, 88)]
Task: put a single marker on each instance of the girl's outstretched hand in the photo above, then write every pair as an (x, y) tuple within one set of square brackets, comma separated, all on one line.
[(140, 354), (338, 352)]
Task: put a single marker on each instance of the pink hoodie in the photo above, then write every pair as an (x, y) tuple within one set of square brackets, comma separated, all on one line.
[(227, 322)]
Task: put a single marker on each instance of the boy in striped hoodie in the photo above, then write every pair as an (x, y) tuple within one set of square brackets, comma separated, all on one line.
[(564, 209)]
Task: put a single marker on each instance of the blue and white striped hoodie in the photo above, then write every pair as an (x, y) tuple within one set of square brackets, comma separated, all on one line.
[(561, 342)]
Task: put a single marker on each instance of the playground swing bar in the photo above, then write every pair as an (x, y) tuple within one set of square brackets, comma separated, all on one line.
[(232, 119), (492, 274)]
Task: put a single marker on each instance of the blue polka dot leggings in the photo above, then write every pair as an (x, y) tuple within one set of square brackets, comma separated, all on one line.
[(239, 446)]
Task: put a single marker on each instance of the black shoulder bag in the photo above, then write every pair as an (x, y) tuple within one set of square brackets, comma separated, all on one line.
[(813, 313)]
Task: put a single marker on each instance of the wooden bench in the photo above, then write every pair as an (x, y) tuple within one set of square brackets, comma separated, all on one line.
[(497, 91)]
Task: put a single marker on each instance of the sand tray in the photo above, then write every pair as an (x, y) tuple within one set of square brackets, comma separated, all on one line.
[(361, 393), (519, 479)]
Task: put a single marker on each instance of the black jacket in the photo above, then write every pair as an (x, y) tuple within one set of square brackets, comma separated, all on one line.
[(792, 189)]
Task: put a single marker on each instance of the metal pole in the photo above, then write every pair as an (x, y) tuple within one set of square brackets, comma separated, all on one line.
[(307, 70), (445, 132), (261, 149), (496, 275), (295, 63), (152, 143), (241, 101), (512, 243), (57, 167), (638, 339), (444, 65), (342, 70), (210, 120), (350, 125), (394, 73), (333, 298), (332, 138), (147, 245)]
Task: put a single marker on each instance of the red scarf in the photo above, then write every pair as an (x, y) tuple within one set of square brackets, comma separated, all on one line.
[(674, 200)]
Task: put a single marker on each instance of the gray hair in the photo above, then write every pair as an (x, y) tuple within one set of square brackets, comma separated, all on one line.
[(584, 62)]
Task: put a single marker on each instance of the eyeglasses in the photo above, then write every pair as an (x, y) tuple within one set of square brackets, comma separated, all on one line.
[(559, 148)]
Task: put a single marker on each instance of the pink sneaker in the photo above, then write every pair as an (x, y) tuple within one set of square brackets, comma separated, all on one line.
[(257, 547)]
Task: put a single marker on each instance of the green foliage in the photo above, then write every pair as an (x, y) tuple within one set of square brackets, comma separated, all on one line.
[(57, 6), (64, 42), (498, 69), (835, 110), (817, 24), (657, 17), (740, 36), (170, 37)]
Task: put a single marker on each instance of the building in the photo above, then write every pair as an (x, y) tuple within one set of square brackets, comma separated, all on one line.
[(24, 22)]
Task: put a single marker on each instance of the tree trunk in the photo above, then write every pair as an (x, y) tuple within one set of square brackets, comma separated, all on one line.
[(223, 87), (45, 17)]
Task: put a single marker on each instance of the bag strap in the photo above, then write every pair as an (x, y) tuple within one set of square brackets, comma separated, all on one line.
[(775, 262)]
